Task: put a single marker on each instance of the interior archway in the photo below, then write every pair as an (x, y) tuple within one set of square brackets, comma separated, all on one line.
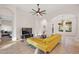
[(6, 23)]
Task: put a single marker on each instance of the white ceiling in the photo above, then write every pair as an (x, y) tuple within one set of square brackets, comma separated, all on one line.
[(47, 7), (51, 9)]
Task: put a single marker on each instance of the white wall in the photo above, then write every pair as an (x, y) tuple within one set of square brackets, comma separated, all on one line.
[(23, 17), (19, 19), (6, 25), (35, 21), (66, 17), (23, 20), (66, 9), (0, 28)]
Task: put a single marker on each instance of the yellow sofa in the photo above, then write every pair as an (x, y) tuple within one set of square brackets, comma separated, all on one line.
[(47, 44)]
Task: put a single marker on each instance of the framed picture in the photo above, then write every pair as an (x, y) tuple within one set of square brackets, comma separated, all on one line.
[(65, 26), (60, 28), (68, 26)]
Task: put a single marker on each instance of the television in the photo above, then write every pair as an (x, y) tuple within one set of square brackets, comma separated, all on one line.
[(26, 30)]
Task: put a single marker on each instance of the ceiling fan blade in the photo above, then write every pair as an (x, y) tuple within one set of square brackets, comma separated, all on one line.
[(40, 14), (43, 13), (43, 10), (34, 10), (33, 13)]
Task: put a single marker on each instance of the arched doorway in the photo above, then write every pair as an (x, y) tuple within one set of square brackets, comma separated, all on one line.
[(6, 23)]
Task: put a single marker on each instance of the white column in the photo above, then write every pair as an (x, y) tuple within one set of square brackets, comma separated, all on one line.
[(14, 33), (0, 28)]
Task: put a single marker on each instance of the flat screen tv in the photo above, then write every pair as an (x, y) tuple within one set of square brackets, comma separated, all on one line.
[(26, 30)]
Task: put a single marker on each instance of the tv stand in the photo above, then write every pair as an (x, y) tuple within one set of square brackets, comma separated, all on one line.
[(27, 36)]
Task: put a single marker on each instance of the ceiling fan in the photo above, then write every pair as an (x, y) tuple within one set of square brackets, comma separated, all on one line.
[(38, 11)]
